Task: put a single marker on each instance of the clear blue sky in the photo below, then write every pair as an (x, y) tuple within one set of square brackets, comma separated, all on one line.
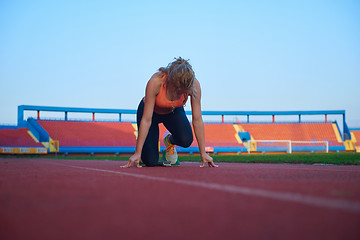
[(247, 55)]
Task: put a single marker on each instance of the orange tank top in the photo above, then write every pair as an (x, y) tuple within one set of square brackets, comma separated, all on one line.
[(163, 105)]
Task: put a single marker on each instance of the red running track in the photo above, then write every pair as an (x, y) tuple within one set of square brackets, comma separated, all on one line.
[(73, 199)]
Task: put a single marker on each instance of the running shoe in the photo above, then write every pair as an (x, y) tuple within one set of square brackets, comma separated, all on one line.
[(171, 154), (163, 162)]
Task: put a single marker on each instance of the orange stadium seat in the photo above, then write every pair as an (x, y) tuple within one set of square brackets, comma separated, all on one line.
[(356, 140), (293, 131), (17, 138), (90, 134), (217, 135), (220, 135)]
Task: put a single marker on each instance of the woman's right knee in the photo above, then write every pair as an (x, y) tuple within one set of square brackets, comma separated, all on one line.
[(150, 157), (151, 162)]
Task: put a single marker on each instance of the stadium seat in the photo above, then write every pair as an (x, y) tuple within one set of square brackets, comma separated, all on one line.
[(17, 138), (90, 134)]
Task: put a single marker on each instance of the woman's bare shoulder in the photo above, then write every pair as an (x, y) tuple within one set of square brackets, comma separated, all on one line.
[(154, 83), (196, 90), (157, 77), (196, 86), (196, 83)]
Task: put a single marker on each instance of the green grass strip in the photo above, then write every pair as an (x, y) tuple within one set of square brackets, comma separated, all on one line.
[(296, 158), (342, 158)]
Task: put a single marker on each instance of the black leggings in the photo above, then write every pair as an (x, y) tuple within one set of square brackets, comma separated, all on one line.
[(177, 124)]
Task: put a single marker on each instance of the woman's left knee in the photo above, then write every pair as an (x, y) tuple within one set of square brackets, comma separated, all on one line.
[(185, 141)]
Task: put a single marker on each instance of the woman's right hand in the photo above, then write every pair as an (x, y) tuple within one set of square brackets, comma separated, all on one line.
[(136, 158), (207, 159)]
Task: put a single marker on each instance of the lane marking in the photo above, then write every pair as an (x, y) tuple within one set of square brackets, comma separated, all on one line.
[(342, 204), (313, 167)]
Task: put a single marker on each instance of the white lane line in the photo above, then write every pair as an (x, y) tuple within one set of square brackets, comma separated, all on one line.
[(350, 206), (317, 168)]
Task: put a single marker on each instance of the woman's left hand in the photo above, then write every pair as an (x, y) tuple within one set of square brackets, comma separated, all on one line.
[(207, 159)]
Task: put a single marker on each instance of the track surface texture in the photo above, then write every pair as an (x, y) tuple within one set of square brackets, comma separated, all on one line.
[(89, 199)]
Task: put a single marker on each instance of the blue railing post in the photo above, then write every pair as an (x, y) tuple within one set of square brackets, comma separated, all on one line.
[(20, 116)]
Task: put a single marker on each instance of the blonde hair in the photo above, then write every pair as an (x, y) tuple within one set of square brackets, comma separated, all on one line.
[(180, 74)]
